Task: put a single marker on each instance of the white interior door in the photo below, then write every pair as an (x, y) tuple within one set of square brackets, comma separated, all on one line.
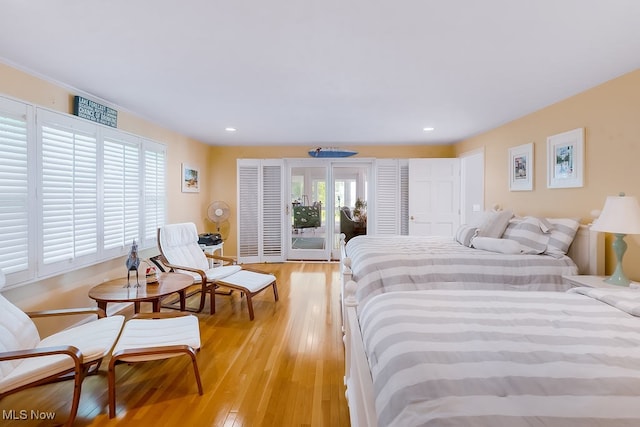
[(434, 197)]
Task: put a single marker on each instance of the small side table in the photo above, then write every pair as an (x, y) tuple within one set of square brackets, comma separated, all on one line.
[(211, 250), (117, 291), (594, 282)]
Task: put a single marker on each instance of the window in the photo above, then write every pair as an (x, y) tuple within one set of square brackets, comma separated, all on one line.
[(14, 188), (68, 189), (97, 190), (121, 191)]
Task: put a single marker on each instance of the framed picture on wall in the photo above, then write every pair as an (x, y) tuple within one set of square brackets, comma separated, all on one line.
[(565, 159), (190, 179), (521, 168)]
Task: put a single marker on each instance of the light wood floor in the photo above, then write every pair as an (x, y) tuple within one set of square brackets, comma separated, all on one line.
[(285, 368)]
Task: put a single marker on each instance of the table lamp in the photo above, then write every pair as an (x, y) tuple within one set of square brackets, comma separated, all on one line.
[(620, 216)]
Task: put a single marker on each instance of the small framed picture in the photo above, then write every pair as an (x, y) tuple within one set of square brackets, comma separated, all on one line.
[(521, 168), (190, 179), (565, 159)]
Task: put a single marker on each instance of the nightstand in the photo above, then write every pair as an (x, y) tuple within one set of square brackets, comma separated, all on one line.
[(594, 282)]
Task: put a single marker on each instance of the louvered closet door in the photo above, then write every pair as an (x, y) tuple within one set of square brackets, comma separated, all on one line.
[(391, 196), (260, 211)]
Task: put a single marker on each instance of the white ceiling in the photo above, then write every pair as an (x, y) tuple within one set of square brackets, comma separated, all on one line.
[(324, 72)]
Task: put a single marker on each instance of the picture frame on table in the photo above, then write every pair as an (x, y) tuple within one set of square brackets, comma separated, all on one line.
[(565, 159), (521, 167), (190, 179)]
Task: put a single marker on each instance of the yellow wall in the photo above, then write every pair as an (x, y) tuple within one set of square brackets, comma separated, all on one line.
[(224, 158), (70, 290), (610, 114)]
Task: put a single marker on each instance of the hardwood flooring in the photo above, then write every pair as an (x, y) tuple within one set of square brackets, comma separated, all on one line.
[(285, 368)]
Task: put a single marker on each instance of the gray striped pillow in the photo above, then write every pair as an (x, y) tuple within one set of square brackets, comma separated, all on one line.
[(563, 231), (465, 233), (530, 233)]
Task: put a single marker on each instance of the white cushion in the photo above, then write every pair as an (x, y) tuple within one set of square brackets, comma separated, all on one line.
[(215, 273), (17, 332), (180, 246), (141, 333), (503, 246), (250, 280), (94, 340)]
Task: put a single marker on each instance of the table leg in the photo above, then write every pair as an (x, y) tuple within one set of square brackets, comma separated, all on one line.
[(136, 307), (156, 305), (183, 300), (103, 306)]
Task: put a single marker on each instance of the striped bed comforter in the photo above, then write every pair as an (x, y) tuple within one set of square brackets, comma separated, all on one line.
[(397, 263), (499, 358)]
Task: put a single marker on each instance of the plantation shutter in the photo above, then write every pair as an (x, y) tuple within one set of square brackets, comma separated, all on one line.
[(121, 192), (155, 203), (68, 190), (14, 189), (260, 216), (404, 196), (248, 211), (272, 215), (387, 215), (391, 197)]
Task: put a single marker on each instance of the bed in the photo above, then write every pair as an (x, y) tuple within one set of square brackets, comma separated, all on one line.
[(380, 264), (495, 358)]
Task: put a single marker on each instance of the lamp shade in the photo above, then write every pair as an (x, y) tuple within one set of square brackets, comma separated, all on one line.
[(620, 215)]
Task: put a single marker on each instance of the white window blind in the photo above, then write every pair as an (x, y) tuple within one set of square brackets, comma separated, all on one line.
[(68, 190), (121, 192), (272, 212), (248, 211), (14, 188), (154, 190), (387, 215), (72, 192)]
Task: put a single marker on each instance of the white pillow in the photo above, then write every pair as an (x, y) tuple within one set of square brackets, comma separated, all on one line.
[(494, 224), (503, 246)]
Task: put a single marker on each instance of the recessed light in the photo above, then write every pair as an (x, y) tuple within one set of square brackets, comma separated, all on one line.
[(230, 129), (428, 129)]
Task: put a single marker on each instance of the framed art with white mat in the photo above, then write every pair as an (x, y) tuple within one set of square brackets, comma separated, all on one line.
[(565, 159)]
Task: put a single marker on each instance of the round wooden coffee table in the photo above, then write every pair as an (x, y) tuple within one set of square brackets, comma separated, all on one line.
[(117, 290)]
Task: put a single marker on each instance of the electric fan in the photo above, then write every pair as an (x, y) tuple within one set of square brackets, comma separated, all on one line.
[(218, 213)]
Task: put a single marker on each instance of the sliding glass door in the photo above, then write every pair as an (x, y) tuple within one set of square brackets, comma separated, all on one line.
[(307, 211)]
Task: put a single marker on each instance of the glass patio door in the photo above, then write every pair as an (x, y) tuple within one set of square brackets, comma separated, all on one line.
[(309, 231)]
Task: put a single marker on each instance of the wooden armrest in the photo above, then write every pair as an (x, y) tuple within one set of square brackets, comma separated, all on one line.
[(68, 312), (174, 267), (69, 350), (222, 258)]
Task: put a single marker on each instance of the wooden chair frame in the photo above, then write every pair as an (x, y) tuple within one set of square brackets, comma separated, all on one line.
[(210, 287), (117, 357), (80, 369)]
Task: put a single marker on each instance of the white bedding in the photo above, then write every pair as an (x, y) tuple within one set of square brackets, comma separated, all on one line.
[(499, 358), (383, 264)]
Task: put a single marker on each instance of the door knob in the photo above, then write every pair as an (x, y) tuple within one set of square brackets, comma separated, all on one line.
[(411, 218)]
